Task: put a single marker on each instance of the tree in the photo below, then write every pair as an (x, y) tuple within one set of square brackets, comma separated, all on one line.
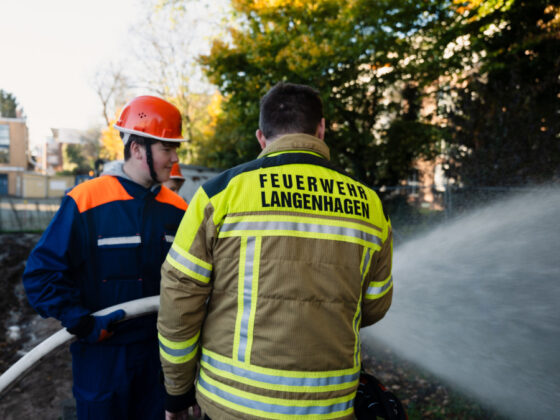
[(490, 67), (80, 158), (166, 46), (360, 54), (112, 86), (91, 145), (504, 120), (111, 142), (9, 105), (76, 159)]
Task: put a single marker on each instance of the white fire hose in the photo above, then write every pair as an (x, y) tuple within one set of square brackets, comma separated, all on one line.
[(132, 309)]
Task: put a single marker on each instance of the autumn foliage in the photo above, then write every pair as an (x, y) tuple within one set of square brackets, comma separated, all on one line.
[(111, 143), (475, 82)]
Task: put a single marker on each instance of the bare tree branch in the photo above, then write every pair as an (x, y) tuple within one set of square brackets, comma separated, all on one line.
[(110, 85)]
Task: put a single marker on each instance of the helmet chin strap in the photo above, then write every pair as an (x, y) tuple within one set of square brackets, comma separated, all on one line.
[(150, 161)]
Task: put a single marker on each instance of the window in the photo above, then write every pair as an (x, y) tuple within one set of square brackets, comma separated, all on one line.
[(4, 143), (3, 184)]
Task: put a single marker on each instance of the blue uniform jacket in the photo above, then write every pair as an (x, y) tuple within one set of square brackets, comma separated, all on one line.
[(104, 246)]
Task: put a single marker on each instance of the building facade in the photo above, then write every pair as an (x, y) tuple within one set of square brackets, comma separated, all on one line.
[(14, 157)]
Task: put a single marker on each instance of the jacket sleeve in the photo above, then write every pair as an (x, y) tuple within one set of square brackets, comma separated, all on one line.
[(50, 287), (185, 287), (378, 285)]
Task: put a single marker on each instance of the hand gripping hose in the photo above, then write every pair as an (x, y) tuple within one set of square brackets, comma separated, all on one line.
[(133, 309)]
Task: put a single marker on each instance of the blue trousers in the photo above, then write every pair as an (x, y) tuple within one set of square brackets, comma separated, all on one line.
[(117, 381)]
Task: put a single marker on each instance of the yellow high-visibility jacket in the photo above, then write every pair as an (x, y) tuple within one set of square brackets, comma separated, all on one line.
[(276, 265)]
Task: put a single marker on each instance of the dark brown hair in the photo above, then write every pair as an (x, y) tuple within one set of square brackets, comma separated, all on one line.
[(290, 108)]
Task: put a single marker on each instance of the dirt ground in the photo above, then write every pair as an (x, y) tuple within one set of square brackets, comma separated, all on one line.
[(46, 388), (45, 391)]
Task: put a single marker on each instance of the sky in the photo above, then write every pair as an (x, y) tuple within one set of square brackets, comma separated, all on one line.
[(50, 51)]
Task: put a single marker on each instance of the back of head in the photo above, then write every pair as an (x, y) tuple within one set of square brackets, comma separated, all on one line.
[(290, 108)]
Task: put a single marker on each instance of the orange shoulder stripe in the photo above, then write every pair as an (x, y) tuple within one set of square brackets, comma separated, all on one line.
[(98, 191), (167, 196)]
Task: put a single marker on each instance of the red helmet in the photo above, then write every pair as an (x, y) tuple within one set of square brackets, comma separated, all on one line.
[(176, 172), (152, 117)]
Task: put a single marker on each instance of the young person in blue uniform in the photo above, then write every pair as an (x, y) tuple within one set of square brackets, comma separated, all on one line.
[(105, 246)]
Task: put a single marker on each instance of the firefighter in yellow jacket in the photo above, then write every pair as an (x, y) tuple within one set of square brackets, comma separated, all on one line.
[(276, 266)]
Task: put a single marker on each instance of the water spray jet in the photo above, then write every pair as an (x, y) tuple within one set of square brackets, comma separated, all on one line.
[(476, 304)]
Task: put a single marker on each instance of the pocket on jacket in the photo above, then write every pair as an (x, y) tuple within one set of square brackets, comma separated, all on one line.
[(119, 257), (119, 270)]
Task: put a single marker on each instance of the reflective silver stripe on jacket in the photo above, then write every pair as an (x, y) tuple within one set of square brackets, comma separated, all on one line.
[(271, 226), (246, 372), (247, 298), (189, 264), (119, 240), (373, 290), (267, 407)]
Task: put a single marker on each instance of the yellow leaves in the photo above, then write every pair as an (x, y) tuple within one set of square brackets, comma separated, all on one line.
[(295, 4), (468, 4), (288, 34), (214, 109), (304, 52), (462, 9), (270, 6), (482, 7), (203, 143), (553, 25), (111, 143)]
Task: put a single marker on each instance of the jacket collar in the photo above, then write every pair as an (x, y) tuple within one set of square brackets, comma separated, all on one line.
[(117, 169), (300, 142)]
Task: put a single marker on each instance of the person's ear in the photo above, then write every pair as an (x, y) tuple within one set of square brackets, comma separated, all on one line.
[(321, 129), (136, 151), (261, 138)]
